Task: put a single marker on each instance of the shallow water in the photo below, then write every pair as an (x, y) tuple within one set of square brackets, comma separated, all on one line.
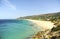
[(16, 29)]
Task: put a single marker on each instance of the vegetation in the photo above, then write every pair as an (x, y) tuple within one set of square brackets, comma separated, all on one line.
[(56, 29), (50, 17)]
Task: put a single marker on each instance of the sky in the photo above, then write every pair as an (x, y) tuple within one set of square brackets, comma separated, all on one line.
[(12, 9)]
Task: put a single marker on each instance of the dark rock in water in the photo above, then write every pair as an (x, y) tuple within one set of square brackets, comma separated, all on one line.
[(28, 38)]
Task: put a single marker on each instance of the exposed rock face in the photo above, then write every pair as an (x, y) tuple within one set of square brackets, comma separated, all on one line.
[(47, 35)]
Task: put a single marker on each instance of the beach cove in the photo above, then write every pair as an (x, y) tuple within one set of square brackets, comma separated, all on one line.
[(43, 24)]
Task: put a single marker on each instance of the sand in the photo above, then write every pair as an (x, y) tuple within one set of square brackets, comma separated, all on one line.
[(43, 24)]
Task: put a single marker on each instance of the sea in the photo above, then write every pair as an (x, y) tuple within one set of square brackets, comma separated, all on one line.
[(17, 29)]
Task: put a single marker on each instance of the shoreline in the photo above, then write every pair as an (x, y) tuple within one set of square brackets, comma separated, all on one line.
[(45, 25)]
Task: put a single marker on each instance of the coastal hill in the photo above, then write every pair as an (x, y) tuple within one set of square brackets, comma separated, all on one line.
[(54, 33), (50, 16), (53, 17)]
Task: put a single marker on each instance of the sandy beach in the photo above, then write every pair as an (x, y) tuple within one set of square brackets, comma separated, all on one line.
[(43, 24)]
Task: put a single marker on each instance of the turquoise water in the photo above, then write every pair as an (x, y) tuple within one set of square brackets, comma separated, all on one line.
[(17, 29)]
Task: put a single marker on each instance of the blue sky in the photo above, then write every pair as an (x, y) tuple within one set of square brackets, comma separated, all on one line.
[(11, 9)]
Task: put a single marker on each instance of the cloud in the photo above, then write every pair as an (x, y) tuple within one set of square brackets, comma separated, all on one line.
[(8, 4)]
